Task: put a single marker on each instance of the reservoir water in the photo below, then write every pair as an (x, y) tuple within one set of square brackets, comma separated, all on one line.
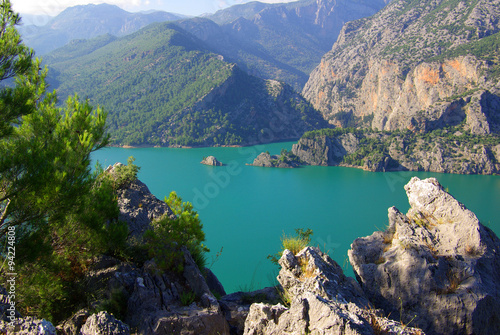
[(245, 210)]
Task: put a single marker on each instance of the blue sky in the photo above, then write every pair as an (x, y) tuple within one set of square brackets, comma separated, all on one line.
[(187, 7)]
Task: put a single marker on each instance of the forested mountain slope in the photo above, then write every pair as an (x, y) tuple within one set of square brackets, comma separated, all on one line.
[(88, 21), (161, 86), (418, 65)]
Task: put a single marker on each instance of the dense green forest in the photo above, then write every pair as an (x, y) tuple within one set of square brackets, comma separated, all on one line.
[(161, 86)]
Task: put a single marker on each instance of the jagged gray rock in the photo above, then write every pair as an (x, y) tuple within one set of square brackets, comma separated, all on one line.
[(448, 153), (324, 150), (323, 301), (104, 323), (27, 326), (138, 206), (213, 282), (236, 306), (188, 321), (437, 265), (152, 297), (211, 160), (11, 322), (74, 324)]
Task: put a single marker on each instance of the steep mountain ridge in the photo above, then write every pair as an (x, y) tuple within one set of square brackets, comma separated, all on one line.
[(279, 41), (88, 21), (417, 65), (162, 86)]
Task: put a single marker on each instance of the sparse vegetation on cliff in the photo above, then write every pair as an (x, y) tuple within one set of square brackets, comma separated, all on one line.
[(293, 243)]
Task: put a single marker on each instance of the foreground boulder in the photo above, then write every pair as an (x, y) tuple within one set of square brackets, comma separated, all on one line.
[(322, 301), (27, 326), (437, 266), (141, 295), (103, 323), (236, 306)]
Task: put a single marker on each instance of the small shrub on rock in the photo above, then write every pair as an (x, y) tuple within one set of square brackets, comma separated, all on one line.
[(165, 240), (293, 243)]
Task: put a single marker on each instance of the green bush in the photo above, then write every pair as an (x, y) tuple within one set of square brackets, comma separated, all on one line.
[(125, 174), (187, 298), (165, 239)]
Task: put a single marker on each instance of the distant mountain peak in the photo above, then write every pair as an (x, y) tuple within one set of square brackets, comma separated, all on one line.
[(88, 21)]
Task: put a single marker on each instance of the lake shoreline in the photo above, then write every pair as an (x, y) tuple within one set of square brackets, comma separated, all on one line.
[(142, 146)]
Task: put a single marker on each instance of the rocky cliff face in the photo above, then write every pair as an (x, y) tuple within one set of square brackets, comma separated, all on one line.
[(438, 151), (437, 265), (138, 206), (414, 65)]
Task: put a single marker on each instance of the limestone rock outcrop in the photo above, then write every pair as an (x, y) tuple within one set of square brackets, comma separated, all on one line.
[(322, 301), (437, 266), (103, 323), (138, 206), (27, 326), (13, 323), (145, 297), (152, 299), (236, 306)]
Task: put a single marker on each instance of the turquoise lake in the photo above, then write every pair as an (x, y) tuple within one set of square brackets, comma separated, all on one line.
[(245, 210)]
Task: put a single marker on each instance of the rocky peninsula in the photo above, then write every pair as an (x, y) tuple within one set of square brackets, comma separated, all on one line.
[(434, 270), (446, 151)]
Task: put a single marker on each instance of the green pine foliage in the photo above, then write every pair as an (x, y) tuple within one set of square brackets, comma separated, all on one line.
[(62, 213), (167, 237)]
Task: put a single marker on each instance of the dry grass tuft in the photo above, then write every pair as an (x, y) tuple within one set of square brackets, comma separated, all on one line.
[(388, 237), (454, 280), (471, 250), (306, 271)]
